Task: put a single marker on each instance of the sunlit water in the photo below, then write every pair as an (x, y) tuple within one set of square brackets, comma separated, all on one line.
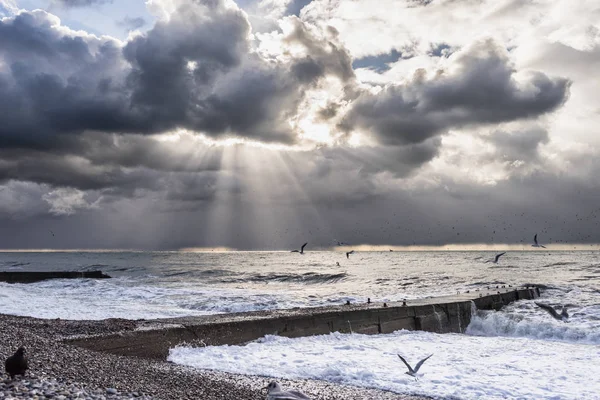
[(518, 352)]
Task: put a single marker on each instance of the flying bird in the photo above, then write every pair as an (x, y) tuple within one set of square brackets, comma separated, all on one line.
[(52, 233), (301, 251), (535, 242), (413, 372), (563, 316), (17, 363), (274, 392), (348, 253), (340, 243), (495, 260)]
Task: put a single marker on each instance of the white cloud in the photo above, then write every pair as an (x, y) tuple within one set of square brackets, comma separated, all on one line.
[(67, 201)]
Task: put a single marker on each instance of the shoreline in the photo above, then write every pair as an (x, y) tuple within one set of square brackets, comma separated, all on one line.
[(103, 375)]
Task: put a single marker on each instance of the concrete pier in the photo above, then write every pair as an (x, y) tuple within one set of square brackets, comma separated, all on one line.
[(153, 338), (30, 277)]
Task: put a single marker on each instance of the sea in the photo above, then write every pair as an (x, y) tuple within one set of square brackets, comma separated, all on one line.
[(519, 352)]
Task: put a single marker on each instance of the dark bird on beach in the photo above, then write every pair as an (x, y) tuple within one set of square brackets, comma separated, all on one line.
[(337, 264), (16, 364), (274, 392), (563, 316), (301, 251), (348, 253), (413, 372)]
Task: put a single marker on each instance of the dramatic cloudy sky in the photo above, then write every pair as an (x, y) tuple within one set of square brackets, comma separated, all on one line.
[(261, 124)]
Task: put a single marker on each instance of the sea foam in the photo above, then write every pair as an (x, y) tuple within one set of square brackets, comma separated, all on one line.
[(462, 366)]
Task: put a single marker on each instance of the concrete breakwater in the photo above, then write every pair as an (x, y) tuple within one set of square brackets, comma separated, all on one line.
[(30, 277), (153, 338)]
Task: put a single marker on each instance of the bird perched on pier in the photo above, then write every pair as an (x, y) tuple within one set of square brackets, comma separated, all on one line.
[(301, 251), (413, 372), (17, 363), (563, 316), (274, 392), (348, 253)]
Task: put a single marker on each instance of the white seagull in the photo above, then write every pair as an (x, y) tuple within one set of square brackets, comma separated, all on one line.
[(495, 260), (563, 316), (413, 372), (348, 253), (274, 392), (535, 242), (301, 251)]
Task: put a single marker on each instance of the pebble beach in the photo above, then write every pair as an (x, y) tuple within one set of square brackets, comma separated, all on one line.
[(58, 370)]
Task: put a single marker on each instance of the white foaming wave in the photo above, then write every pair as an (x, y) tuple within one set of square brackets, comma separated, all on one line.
[(87, 299), (526, 319), (90, 299), (514, 325), (492, 368)]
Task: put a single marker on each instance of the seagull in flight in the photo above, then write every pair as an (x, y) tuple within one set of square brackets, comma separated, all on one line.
[(535, 242), (274, 392), (495, 260), (413, 372), (301, 251), (563, 316), (348, 253), (52, 233)]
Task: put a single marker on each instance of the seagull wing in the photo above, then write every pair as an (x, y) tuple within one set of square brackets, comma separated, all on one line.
[(295, 251), (347, 255), (421, 362), (407, 364), (535, 240), (303, 246), (548, 309), (498, 256)]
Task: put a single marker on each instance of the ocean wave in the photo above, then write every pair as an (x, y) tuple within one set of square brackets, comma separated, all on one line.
[(308, 278), (497, 323), (558, 264)]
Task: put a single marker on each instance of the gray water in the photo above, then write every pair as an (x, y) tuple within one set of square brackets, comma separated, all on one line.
[(167, 284)]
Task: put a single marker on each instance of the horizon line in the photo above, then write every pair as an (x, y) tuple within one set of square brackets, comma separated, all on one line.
[(360, 248)]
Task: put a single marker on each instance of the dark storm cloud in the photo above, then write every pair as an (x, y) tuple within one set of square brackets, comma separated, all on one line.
[(484, 91), (194, 71), (324, 55), (523, 145), (400, 161), (132, 23), (328, 112)]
